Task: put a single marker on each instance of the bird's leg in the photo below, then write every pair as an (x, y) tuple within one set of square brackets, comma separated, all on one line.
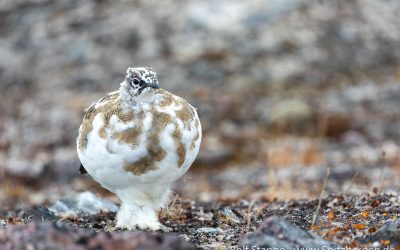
[(136, 211), (133, 217)]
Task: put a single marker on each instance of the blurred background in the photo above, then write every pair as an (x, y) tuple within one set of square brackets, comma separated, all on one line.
[(285, 89)]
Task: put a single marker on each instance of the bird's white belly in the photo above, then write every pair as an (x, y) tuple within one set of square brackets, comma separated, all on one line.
[(106, 167)]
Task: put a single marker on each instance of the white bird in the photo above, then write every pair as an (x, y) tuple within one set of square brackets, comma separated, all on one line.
[(136, 142)]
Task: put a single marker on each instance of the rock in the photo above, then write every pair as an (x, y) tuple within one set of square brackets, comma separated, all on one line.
[(81, 204), (275, 232), (37, 236), (57, 236), (40, 214), (209, 230), (227, 215), (138, 240), (3, 223), (288, 113), (389, 231)]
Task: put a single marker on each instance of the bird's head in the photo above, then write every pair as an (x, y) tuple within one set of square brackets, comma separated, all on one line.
[(139, 82)]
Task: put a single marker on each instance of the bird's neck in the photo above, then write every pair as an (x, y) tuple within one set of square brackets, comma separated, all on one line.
[(147, 96)]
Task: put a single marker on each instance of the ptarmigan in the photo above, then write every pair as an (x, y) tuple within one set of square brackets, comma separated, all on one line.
[(136, 142)]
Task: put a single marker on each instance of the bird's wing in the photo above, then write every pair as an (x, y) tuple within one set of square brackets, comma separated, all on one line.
[(88, 111), (82, 170)]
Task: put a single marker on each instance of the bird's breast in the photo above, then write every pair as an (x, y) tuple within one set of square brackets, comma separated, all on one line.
[(145, 139)]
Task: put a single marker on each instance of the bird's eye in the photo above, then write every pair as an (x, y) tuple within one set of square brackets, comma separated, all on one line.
[(135, 81)]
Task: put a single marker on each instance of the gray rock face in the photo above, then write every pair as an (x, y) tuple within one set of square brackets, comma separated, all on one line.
[(81, 204), (39, 214), (276, 232), (389, 231), (57, 236)]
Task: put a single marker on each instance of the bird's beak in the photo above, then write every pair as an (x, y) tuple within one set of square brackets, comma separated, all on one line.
[(154, 85)]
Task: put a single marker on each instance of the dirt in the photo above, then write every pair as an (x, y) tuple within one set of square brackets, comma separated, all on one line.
[(349, 221)]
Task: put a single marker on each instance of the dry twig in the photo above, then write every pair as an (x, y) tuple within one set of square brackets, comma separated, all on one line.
[(328, 172)]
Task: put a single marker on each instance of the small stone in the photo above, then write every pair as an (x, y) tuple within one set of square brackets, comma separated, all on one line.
[(243, 202), (210, 230), (376, 244), (41, 214), (289, 111), (185, 237), (276, 232), (227, 215), (3, 223), (83, 203), (389, 231), (230, 237)]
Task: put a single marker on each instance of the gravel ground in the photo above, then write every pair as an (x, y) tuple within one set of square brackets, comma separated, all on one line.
[(351, 221)]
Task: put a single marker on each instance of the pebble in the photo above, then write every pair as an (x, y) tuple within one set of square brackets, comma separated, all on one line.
[(226, 215), (276, 232), (83, 203), (210, 230)]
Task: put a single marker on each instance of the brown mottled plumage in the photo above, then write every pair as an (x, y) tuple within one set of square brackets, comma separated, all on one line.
[(136, 141)]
